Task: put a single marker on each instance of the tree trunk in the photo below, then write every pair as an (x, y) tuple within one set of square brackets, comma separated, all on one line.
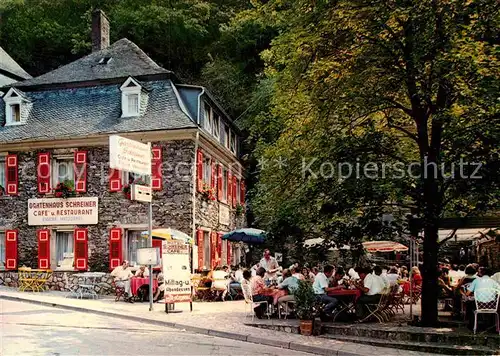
[(429, 303)]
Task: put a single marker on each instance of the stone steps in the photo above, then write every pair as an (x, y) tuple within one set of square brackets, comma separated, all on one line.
[(444, 349), (441, 336)]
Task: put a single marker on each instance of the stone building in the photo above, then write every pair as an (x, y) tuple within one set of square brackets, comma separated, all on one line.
[(62, 208)]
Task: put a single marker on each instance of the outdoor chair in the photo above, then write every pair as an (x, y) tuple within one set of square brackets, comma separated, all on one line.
[(203, 293), (119, 291), (287, 306), (490, 306), (247, 293), (395, 301), (378, 311)]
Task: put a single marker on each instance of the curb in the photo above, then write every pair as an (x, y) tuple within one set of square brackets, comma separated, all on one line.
[(197, 330)]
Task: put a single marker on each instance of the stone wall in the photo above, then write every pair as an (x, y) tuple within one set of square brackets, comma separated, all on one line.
[(59, 282), (172, 206)]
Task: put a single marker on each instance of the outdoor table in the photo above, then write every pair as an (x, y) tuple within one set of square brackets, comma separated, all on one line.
[(88, 283), (276, 294), (347, 299), (33, 279), (136, 283)]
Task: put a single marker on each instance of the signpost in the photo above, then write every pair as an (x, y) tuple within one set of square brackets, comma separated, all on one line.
[(135, 157)]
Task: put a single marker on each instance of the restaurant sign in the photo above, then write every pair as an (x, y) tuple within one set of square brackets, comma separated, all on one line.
[(175, 268), (70, 211), (129, 155)]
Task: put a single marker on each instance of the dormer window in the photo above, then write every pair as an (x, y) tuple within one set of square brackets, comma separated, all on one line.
[(131, 98), (14, 102)]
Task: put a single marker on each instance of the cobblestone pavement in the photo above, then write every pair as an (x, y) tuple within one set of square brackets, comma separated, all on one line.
[(29, 329), (220, 318)]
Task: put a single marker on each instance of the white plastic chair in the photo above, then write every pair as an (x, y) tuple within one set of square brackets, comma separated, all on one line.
[(247, 293), (490, 299)]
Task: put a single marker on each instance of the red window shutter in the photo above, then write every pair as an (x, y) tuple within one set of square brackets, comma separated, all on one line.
[(81, 249), (80, 168), (158, 243), (242, 192), (11, 249), (213, 177), (115, 248), (43, 173), (115, 180), (43, 237), (235, 193), (156, 166), (199, 237), (229, 187), (11, 179), (228, 250), (219, 182), (199, 171), (213, 249)]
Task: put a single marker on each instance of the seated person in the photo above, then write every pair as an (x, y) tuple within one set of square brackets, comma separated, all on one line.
[(142, 272), (296, 272), (460, 293), (337, 281), (290, 284), (220, 280), (393, 276), (235, 283), (122, 275), (485, 291), (260, 292), (207, 280), (160, 291), (445, 291), (372, 286), (321, 288)]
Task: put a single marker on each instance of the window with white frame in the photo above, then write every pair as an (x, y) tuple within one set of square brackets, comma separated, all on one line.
[(13, 103), (134, 241), (238, 200), (63, 171), (64, 249), (226, 136), (206, 250), (207, 171), (207, 118), (2, 250), (224, 184), (3, 183), (131, 98), (216, 126), (233, 142), (130, 178)]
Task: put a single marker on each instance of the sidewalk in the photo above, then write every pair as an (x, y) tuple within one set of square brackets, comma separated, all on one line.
[(218, 319)]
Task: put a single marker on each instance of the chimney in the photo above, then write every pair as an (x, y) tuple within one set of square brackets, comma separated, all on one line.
[(100, 30)]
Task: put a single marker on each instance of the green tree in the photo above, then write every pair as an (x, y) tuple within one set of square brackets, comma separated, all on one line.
[(383, 82)]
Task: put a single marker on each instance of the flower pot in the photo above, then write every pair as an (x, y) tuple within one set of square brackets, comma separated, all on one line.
[(306, 327)]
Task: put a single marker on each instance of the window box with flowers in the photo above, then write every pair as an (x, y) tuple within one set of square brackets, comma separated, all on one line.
[(65, 190), (240, 210), (127, 189), (208, 193)]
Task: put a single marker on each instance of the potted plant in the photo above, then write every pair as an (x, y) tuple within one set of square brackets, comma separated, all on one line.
[(208, 193), (305, 307), (240, 209), (65, 190)]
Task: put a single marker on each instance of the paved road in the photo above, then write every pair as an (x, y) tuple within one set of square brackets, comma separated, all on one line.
[(28, 329)]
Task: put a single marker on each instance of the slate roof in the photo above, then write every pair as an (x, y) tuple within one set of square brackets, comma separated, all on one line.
[(127, 59), (78, 112), (9, 65)]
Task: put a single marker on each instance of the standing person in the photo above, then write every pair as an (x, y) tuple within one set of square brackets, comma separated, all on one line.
[(260, 292), (122, 275), (270, 265), (321, 288)]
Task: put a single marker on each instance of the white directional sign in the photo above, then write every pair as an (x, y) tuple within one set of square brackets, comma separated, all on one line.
[(141, 193), (129, 155)]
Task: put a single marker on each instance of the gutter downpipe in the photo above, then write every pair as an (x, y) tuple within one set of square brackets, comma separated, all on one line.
[(199, 105), (193, 199)]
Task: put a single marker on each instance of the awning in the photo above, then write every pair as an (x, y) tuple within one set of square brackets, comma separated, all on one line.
[(249, 235), (384, 246), (168, 234)]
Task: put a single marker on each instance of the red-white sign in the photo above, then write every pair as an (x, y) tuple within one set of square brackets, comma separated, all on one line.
[(71, 211)]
